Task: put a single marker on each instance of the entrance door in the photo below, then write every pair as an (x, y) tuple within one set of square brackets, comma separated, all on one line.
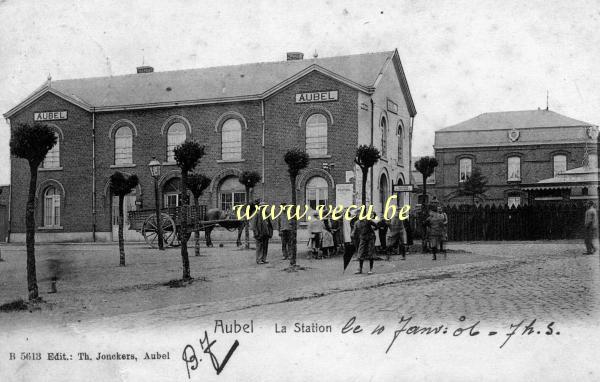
[(128, 205)]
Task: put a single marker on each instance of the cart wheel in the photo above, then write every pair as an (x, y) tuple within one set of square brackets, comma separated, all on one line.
[(150, 230)]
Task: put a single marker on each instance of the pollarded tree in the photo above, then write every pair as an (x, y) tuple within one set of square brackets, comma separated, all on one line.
[(297, 160), (249, 179), (426, 166), (366, 157), (474, 185), (32, 143), (197, 183), (120, 186), (187, 156)]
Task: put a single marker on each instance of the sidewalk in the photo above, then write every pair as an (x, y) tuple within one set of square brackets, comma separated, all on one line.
[(92, 286)]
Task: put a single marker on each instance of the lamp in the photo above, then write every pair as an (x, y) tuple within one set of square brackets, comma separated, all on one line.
[(155, 168)]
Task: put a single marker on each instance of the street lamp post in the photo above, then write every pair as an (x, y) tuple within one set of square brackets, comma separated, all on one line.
[(155, 166)]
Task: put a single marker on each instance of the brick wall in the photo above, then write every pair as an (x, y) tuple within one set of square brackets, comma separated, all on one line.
[(536, 164), (282, 131)]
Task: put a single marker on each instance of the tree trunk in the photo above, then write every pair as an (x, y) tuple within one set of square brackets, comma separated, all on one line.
[(197, 233), (294, 225), (247, 228), (32, 286), (365, 175), (121, 240), (184, 226), (424, 188)]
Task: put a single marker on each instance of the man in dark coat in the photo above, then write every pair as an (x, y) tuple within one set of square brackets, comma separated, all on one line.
[(263, 231)]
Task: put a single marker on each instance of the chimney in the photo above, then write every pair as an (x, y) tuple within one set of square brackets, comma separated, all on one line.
[(293, 56), (145, 69)]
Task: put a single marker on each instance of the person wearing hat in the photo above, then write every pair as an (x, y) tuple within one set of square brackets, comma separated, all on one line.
[(262, 230)]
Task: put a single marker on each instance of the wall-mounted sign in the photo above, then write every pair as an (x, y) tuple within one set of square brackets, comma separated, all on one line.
[(50, 115), (392, 107), (324, 96), (364, 106), (403, 188)]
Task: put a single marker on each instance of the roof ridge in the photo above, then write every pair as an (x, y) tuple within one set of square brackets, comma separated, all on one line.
[(224, 66)]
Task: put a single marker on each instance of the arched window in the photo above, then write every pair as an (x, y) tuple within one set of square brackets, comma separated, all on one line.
[(231, 140), (123, 146), (383, 191), (400, 141), (316, 135), (383, 137), (560, 164), (51, 207), (514, 169), (171, 193), (466, 165), (176, 135), (52, 159), (231, 193), (317, 192)]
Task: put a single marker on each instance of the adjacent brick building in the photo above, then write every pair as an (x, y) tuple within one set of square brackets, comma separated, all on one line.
[(515, 150), (247, 116)]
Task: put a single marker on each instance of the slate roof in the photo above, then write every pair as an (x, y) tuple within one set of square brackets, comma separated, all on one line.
[(507, 120), (217, 84)]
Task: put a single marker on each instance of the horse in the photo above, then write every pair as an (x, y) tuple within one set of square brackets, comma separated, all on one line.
[(218, 214)]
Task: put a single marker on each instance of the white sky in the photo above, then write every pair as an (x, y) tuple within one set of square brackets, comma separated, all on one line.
[(461, 58)]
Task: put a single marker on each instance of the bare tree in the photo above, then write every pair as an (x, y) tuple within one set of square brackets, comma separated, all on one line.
[(120, 186), (32, 143), (249, 179), (296, 160), (366, 157), (187, 156)]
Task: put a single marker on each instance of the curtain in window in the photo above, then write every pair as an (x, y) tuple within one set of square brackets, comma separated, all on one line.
[(52, 159)]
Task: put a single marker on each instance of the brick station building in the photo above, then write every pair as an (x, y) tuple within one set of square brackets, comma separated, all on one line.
[(515, 150), (247, 116)]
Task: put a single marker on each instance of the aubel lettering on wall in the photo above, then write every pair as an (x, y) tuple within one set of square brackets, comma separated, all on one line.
[(323, 96), (50, 115)]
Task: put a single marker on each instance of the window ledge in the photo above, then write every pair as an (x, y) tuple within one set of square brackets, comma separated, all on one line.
[(169, 163), (384, 159), (326, 156), (50, 169), (52, 228), (513, 181), (124, 165), (230, 160)]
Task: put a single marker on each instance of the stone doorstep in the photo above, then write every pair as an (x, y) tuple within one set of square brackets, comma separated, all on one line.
[(194, 310)]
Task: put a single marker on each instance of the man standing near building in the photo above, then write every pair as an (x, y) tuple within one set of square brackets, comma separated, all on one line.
[(396, 238), (591, 229), (285, 232), (263, 231)]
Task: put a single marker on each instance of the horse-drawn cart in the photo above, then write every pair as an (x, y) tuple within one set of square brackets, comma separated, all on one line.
[(144, 221)]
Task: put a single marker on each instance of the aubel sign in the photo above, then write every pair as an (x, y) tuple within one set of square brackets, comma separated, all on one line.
[(324, 96), (50, 115)]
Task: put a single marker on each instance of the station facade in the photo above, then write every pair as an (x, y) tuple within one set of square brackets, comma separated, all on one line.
[(246, 116)]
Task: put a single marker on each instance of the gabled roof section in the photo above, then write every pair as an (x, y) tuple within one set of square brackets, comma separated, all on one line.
[(215, 84), (507, 120), (404, 83)]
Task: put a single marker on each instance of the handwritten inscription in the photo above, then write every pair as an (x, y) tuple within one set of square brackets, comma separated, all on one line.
[(407, 327), (192, 360)]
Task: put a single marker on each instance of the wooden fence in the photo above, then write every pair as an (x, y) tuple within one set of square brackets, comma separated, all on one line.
[(532, 222)]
